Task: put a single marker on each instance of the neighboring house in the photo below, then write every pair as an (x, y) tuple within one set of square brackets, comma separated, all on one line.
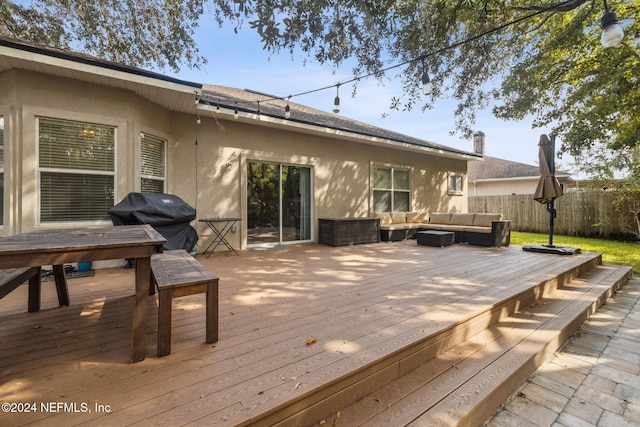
[(499, 177), (80, 133), (584, 185)]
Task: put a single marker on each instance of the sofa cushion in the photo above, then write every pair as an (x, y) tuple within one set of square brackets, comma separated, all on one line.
[(485, 219), (398, 217), (431, 226), (461, 219), (385, 218), (450, 227), (393, 227), (416, 225), (418, 217), (440, 218), (477, 229)]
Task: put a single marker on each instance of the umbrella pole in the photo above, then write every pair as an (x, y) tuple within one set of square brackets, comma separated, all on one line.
[(552, 214), (550, 155)]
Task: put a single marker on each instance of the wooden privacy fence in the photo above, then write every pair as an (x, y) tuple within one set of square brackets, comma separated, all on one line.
[(577, 212)]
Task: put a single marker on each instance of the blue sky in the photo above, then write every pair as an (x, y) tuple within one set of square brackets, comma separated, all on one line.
[(237, 60)]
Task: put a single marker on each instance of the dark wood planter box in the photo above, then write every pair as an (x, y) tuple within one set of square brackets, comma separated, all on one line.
[(348, 231)]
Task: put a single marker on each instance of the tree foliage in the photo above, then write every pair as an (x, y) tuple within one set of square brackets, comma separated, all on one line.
[(142, 33), (522, 57)]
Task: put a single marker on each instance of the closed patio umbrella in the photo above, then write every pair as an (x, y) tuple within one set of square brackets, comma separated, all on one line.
[(548, 188), (547, 191)]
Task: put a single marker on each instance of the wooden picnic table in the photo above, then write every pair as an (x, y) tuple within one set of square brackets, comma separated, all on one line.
[(56, 247)]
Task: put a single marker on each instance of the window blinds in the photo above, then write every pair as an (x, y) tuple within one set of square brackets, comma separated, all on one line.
[(152, 164), (77, 170)]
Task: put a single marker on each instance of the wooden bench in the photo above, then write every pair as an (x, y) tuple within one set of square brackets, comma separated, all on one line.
[(177, 274), (11, 278)]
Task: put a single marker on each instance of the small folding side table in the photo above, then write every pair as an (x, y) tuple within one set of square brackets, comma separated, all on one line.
[(220, 228)]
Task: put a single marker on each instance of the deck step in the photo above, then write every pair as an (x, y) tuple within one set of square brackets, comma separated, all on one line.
[(465, 384), (474, 313)]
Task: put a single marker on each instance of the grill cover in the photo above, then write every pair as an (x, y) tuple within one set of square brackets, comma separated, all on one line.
[(167, 213)]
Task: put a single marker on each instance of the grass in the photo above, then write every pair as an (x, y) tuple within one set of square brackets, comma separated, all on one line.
[(613, 252)]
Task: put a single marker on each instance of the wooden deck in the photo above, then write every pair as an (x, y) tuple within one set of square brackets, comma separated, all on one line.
[(304, 331)]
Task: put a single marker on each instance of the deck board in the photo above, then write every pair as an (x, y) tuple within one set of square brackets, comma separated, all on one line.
[(362, 302)]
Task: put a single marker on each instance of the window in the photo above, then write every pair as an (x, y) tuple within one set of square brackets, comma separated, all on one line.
[(391, 189), (152, 164), (455, 185), (76, 164), (1, 170)]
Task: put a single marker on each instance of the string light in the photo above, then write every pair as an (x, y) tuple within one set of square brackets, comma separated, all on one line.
[(426, 80), (336, 101), (427, 86), (198, 121), (235, 112), (612, 33), (287, 110), (218, 108)]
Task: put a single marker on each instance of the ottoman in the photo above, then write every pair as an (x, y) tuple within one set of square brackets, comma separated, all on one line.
[(435, 238)]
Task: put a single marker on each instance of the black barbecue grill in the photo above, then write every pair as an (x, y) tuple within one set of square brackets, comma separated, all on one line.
[(168, 214)]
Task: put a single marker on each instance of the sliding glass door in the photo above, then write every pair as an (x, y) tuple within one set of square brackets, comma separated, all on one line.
[(278, 204)]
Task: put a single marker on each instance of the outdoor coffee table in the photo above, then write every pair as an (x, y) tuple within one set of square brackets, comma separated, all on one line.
[(435, 238)]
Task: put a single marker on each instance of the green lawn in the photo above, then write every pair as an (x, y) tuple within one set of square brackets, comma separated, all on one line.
[(613, 252)]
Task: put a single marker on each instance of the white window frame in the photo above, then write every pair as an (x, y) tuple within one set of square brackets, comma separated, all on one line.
[(455, 184), (40, 170), (393, 190), (144, 176)]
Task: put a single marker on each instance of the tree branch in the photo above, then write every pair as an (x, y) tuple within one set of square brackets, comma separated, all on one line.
[(566, 6)]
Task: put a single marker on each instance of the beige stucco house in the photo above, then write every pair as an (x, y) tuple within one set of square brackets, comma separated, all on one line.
[(80, 133)]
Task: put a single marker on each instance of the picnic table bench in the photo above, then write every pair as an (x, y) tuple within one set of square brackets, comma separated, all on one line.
[(176, 273), (57, 247), (11, 278)]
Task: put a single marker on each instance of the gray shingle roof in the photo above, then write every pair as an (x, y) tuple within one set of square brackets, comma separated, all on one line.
[(246, 100), (494, 168)]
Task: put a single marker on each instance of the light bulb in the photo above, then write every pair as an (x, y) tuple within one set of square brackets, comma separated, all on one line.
[(427, 86), (336, 101), (612, 33), (198, 121), (287, 112)]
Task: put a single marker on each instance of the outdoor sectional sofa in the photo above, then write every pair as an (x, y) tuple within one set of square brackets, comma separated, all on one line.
[(486, 229)]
